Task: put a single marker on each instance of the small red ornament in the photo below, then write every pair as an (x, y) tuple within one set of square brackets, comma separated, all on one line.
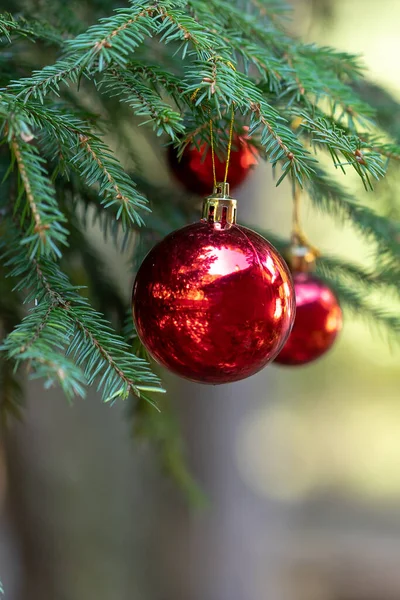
[(195, 171), (214, 301), (317, 323)]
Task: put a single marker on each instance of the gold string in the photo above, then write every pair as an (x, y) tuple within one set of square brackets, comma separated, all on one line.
[(228, 156), (213, 152), (296, 228), (298, 235)]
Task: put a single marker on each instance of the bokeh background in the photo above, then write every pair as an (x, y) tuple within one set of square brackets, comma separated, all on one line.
[(301, 468)]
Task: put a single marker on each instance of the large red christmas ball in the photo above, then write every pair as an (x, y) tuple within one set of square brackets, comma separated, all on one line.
[(317, 323), (194, 170), (213, 305)]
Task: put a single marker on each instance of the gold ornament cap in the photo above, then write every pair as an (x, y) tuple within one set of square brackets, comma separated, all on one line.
[(220, 207), (301, 258)]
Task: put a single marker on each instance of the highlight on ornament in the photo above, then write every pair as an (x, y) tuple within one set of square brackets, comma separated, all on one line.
[(194, 169), (214, 301)]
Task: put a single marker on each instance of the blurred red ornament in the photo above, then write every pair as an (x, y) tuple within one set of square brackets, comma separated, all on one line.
[(214, 301), (194, 170), (317, 323)]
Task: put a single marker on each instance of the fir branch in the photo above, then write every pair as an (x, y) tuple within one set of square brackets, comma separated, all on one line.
[(330, 196), (344, 64), (159, 77), (305, 74), (176, 25), (391, 151), (354, 275), (144, 101), (46, 232), (224, 85), (46, 80), (268, 66), (162, 429), (375, 316), (98, 165), (73, 324), (31, 29), (113, 38), (92, 159), (11, 392), (275, 10), (356, 153), (7, 24), (101, 287)]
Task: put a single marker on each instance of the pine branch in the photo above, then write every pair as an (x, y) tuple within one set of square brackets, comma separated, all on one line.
[(64, 319), (274, 10), (144, 101), (112, 41), (308, 65), (344, 64), (160, 78), (162, 429), (46, 226), (99, 166), (31, 29), (46, 232), (375, 317), (37, 340), (92, 159), (46, 80), (101, 288), (213, 77), (353, 275), (11, 393), (356, 153), (329, 195), (218, 80), (113, 38)]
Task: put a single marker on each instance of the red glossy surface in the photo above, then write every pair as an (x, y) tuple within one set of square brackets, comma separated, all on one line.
[(195, 171), (213, 305), (317, 323)]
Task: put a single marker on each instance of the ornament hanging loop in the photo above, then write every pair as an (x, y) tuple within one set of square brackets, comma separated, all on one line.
[(228, 156), (302, 255)]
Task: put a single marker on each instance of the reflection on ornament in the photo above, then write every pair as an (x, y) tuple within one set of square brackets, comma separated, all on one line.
[(214, 301), (194, 170), (317, 323)]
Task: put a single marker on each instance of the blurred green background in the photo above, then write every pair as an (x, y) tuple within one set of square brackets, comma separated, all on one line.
[(301, 467)]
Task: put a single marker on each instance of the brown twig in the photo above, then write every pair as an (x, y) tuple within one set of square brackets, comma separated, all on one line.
[(255, 107), (84, 140), (40, 228), (106, 42), (38, 330)]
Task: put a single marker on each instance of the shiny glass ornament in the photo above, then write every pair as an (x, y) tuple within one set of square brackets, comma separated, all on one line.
[(195, 172), (317, 323), (214, 301)]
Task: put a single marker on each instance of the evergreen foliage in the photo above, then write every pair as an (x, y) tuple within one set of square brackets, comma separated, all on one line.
[(68, 86)]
